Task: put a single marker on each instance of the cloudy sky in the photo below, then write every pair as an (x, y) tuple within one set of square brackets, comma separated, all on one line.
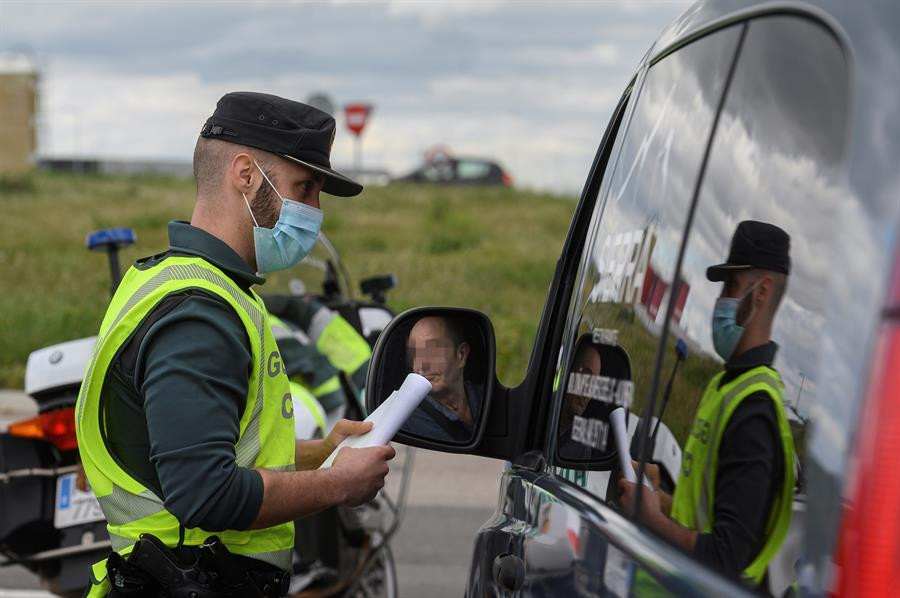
[(531, 84)]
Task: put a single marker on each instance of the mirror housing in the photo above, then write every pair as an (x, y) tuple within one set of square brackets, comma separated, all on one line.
[(390, 365)]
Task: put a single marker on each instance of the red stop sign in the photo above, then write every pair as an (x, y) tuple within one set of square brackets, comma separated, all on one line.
[(356, 115)]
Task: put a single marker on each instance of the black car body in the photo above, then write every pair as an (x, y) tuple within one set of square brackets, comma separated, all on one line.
[(786, 112), (450, 170)]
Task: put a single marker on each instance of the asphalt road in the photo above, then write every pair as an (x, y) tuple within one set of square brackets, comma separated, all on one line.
[(450, 497)]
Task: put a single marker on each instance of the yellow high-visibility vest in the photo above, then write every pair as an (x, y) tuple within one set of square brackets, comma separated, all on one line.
[(266, 428)]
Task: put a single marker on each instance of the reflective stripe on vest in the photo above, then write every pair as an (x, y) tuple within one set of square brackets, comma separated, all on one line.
[(131, 508), (694, 499)]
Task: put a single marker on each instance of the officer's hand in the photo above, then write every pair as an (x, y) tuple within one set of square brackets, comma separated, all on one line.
[(360, 472), (341, 430), (651, 472), (650, 509)]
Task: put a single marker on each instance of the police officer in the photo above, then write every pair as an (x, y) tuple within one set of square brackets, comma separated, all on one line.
[(184, 419), (732, 503)]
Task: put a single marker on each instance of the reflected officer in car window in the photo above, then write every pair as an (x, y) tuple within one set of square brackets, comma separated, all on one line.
[(437, 349), (732, 503)]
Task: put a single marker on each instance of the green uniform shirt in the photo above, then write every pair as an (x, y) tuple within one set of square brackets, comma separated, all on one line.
[(182, 380)]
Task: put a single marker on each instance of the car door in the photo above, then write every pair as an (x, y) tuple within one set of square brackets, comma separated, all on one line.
[(551, 533), (777, 125)]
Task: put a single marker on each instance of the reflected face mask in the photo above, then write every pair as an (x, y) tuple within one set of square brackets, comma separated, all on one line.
[(726, 332), (290, 239)]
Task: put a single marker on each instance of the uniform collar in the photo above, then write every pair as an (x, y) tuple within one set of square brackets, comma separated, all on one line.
[(754, 357), (190, 240)]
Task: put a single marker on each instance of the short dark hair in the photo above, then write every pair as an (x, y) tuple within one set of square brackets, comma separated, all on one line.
[(454, 331), (779, 286), (212, 157)]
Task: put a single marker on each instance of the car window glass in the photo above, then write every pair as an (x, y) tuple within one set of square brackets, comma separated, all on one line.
[(776, 159), (472, 169), (629, 264)]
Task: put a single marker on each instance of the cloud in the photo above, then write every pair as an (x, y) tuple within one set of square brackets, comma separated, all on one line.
[(430, 12), (528, 83), (600, 54)]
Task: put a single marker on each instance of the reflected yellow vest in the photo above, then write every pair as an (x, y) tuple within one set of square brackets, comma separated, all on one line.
[(692, 504), (266, 428)]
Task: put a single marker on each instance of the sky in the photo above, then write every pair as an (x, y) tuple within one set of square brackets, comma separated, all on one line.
[(530, 84)]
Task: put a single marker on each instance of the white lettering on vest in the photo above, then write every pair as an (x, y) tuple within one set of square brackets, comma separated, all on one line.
[(590, 432)]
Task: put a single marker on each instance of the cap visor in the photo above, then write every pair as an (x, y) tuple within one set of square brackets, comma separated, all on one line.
[(335, 182), (720, 272)]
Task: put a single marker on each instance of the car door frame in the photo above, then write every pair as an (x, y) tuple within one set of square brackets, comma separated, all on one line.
[(533, 469), (671, 565)]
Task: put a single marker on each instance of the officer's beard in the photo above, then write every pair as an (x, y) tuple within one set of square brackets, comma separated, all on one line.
[(266, 205)]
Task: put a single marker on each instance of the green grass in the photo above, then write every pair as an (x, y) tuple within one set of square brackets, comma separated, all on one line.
[(491, 249), (487, 248)]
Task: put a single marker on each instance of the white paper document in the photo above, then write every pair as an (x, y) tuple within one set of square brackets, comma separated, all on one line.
[(620, 432), (388, 417)]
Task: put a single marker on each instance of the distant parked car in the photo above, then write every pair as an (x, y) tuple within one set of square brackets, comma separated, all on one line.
[(451, 170), (370, 177)]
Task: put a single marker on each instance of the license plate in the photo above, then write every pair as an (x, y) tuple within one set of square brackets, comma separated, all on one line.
[(74, 507)]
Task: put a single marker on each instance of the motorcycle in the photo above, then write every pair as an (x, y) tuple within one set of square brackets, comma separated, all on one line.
[(51, 523)]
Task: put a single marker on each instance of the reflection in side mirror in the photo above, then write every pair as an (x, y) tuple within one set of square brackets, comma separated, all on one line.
[(454, 350), (597, 382)]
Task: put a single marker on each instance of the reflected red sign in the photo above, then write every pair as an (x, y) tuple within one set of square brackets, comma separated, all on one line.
[(653, 291), (683, 291), (356, 116)]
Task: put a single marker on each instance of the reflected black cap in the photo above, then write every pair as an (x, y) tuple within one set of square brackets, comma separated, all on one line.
[(292, 130), (755, 245)]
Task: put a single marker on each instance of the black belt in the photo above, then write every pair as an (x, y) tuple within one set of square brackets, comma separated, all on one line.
[(153, 570)]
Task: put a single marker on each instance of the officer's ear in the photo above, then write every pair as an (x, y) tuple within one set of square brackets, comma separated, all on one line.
[(763, 295), (243, 174)]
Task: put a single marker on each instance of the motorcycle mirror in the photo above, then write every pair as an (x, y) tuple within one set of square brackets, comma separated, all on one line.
[(297, 287), (378, 286)]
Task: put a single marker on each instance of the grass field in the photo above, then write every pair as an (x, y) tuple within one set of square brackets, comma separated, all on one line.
[(487, 248)]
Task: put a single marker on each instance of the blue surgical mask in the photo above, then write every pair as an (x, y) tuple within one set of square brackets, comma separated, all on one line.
[(726, 332), (291, 239)]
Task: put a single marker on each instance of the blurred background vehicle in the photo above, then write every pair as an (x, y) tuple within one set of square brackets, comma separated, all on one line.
[(443, 167)]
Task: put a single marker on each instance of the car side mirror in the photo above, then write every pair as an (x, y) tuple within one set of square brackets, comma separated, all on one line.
[(454, 349)]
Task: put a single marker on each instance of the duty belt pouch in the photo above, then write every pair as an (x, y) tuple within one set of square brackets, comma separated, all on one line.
[(242, 575), (206, 571), (128, 580), (154, 570)]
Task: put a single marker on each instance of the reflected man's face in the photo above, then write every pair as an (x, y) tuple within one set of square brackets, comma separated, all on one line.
[(432, 353), (587, 361)]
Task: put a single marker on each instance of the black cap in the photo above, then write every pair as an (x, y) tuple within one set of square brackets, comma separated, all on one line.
[(755, 245), (292, 130)]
